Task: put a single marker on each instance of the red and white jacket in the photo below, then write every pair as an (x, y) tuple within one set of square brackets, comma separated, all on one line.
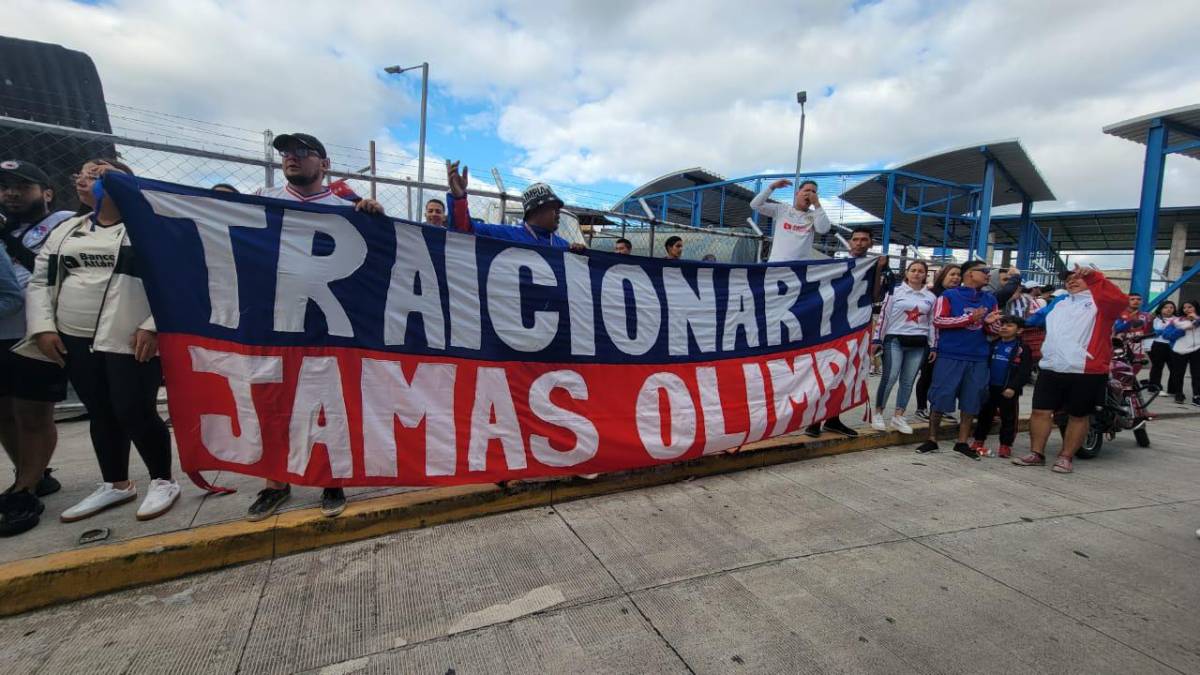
[(1079, 327)]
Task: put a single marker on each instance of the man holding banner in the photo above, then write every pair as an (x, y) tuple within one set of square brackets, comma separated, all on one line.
[(306, 343), (305, 165)]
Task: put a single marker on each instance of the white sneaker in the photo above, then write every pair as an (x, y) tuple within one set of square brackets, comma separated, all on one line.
[(104, 497), (900, 424), (878, 423), (159, 499)]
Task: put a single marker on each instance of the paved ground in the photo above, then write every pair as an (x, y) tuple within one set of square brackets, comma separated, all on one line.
[(879, 561), (75, 466)]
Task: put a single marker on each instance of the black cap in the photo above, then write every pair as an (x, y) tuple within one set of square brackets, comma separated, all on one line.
[(284, 142), (539, 194), (26, 172)]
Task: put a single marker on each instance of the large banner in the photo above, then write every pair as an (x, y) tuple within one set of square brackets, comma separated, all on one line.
[(319, 346)]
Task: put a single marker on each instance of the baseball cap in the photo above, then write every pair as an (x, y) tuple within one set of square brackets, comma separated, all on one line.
[(24, 171), (1031, 284), (539, 194), (284, 142)]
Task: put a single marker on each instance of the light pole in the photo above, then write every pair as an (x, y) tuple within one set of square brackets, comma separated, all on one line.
[(396, 70), (801, 98)]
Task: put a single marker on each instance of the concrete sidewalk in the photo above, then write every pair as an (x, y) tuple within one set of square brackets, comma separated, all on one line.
[(75, 466), (876, 561)]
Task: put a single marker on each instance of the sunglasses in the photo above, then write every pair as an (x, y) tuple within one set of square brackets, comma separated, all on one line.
[(300, 152)]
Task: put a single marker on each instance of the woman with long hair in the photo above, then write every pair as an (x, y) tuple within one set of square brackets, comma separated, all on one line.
[(1160, 348), (949, 276), (1185, 353), (87, 311), (902, 333)]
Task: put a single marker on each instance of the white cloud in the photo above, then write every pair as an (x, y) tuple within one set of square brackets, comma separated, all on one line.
[(625, 91)]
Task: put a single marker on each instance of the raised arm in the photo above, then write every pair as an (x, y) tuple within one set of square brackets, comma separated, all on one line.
[(760, 202)]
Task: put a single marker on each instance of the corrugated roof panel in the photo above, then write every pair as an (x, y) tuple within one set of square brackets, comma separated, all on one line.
[(1137, 128)]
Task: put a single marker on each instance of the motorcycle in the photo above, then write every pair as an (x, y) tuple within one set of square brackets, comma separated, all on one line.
[(1126, 400)]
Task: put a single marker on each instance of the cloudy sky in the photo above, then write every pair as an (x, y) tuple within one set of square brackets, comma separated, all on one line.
[(605, 95)]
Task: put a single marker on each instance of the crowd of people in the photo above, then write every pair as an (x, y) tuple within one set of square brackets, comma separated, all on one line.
[(73, 309)]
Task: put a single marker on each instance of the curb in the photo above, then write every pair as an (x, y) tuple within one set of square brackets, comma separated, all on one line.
[(74, 575)]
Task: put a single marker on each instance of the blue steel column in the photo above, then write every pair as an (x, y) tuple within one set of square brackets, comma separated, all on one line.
[(985, 211), (1025, 235), (1147, 218), (887, 212), (697, 207)]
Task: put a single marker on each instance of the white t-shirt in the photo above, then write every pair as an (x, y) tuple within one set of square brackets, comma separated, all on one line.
[(794, 229), (88, 257), (288, 193)]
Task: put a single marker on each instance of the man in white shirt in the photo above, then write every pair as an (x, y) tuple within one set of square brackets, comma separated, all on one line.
[(796, 225), (305, 165)]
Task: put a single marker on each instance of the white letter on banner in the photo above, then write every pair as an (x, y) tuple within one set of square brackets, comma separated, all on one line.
[(715, 438), (302, 276), (860, 316), (831, 364), (685, 309), (413, 265), (493, 399), (386, 396), (504, 299), (794, 384), (756, 401), (739, 312), (462, 281), (587, 439), (580, 305), (825, 274), (650, 415), (240, 371), (214, 218), (646, 309), (778, 305), (859, 348), (319, 390)]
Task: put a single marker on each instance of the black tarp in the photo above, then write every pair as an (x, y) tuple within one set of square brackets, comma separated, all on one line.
[(54, 85)]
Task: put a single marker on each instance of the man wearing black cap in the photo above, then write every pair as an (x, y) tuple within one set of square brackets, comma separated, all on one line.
[(305, 164), (541, 206), (28, 388)]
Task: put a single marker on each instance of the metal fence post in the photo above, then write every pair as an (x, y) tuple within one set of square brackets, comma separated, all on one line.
[(371, 150), (269, 156)]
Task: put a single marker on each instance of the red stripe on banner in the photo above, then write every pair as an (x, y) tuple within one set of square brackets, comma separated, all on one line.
[(343, 417)]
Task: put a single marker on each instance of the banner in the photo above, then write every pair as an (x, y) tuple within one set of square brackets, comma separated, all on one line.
[(316, 345)]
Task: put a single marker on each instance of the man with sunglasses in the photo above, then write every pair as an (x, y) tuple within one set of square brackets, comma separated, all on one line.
[(962, 319), (305, 165)]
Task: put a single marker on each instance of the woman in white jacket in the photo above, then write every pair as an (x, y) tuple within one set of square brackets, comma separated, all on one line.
[(1186, 353), (902, 332), (86, 310)]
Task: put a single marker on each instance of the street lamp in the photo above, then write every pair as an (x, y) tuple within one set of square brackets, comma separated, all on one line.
[(397, 70), (801, 98)]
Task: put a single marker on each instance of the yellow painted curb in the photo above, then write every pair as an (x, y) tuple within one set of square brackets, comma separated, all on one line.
[(73, 575)]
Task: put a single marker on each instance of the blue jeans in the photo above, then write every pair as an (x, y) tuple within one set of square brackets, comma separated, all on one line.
[(900, 364)]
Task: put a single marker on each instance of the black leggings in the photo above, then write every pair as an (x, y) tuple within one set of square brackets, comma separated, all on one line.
[(996, 403), (1180, 363), (121, 397), (1160, 355), (924, 380)]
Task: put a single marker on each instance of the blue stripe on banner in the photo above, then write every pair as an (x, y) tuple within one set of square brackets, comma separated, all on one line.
[(266, 272)]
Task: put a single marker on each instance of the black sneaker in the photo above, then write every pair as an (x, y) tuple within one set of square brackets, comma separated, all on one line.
[(19, 512), (836, 426), (922, 414), (949, 418), (965, 450), (1196, 400), (813, 430), (927, 447), (333, 502), (47, 485), (267, 502), (1180, 399)]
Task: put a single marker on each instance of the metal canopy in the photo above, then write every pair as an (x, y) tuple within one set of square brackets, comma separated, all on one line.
[(730, 211), (1183, 125), (1017, 178)]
